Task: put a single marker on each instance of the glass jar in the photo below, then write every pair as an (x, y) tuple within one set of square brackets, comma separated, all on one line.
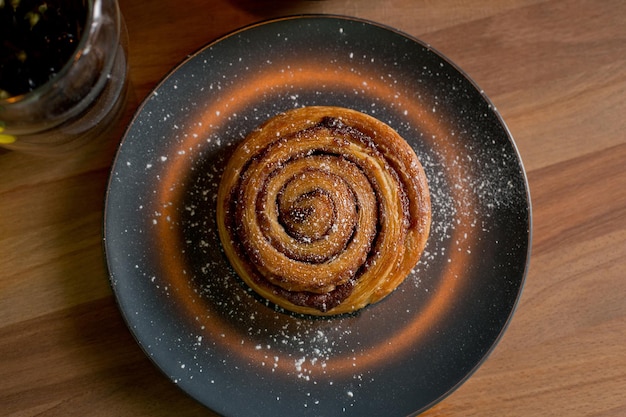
[(82, 99)]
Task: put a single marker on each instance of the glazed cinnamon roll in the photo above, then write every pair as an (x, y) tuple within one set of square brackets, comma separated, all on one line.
[(323, 210)]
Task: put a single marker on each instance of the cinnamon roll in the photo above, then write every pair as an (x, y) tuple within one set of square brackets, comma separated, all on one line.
[(323, 210)]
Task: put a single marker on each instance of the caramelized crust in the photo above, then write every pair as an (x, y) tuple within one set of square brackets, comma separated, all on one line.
[(323, 210)]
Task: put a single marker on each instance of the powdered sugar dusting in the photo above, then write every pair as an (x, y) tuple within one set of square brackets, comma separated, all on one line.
[(228, 339)]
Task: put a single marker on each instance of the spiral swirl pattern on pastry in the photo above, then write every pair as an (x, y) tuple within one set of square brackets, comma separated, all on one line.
[(323, 210)]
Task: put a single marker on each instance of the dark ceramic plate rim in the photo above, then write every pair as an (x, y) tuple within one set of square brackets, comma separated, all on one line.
[(112, 263)]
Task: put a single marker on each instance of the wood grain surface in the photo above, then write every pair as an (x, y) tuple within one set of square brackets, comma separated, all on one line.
[(556, 70)]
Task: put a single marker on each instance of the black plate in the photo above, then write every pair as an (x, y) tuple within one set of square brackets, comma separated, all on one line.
[(242, 357)]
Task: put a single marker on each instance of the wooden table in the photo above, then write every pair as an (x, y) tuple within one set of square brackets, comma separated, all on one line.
[(556, 70)]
